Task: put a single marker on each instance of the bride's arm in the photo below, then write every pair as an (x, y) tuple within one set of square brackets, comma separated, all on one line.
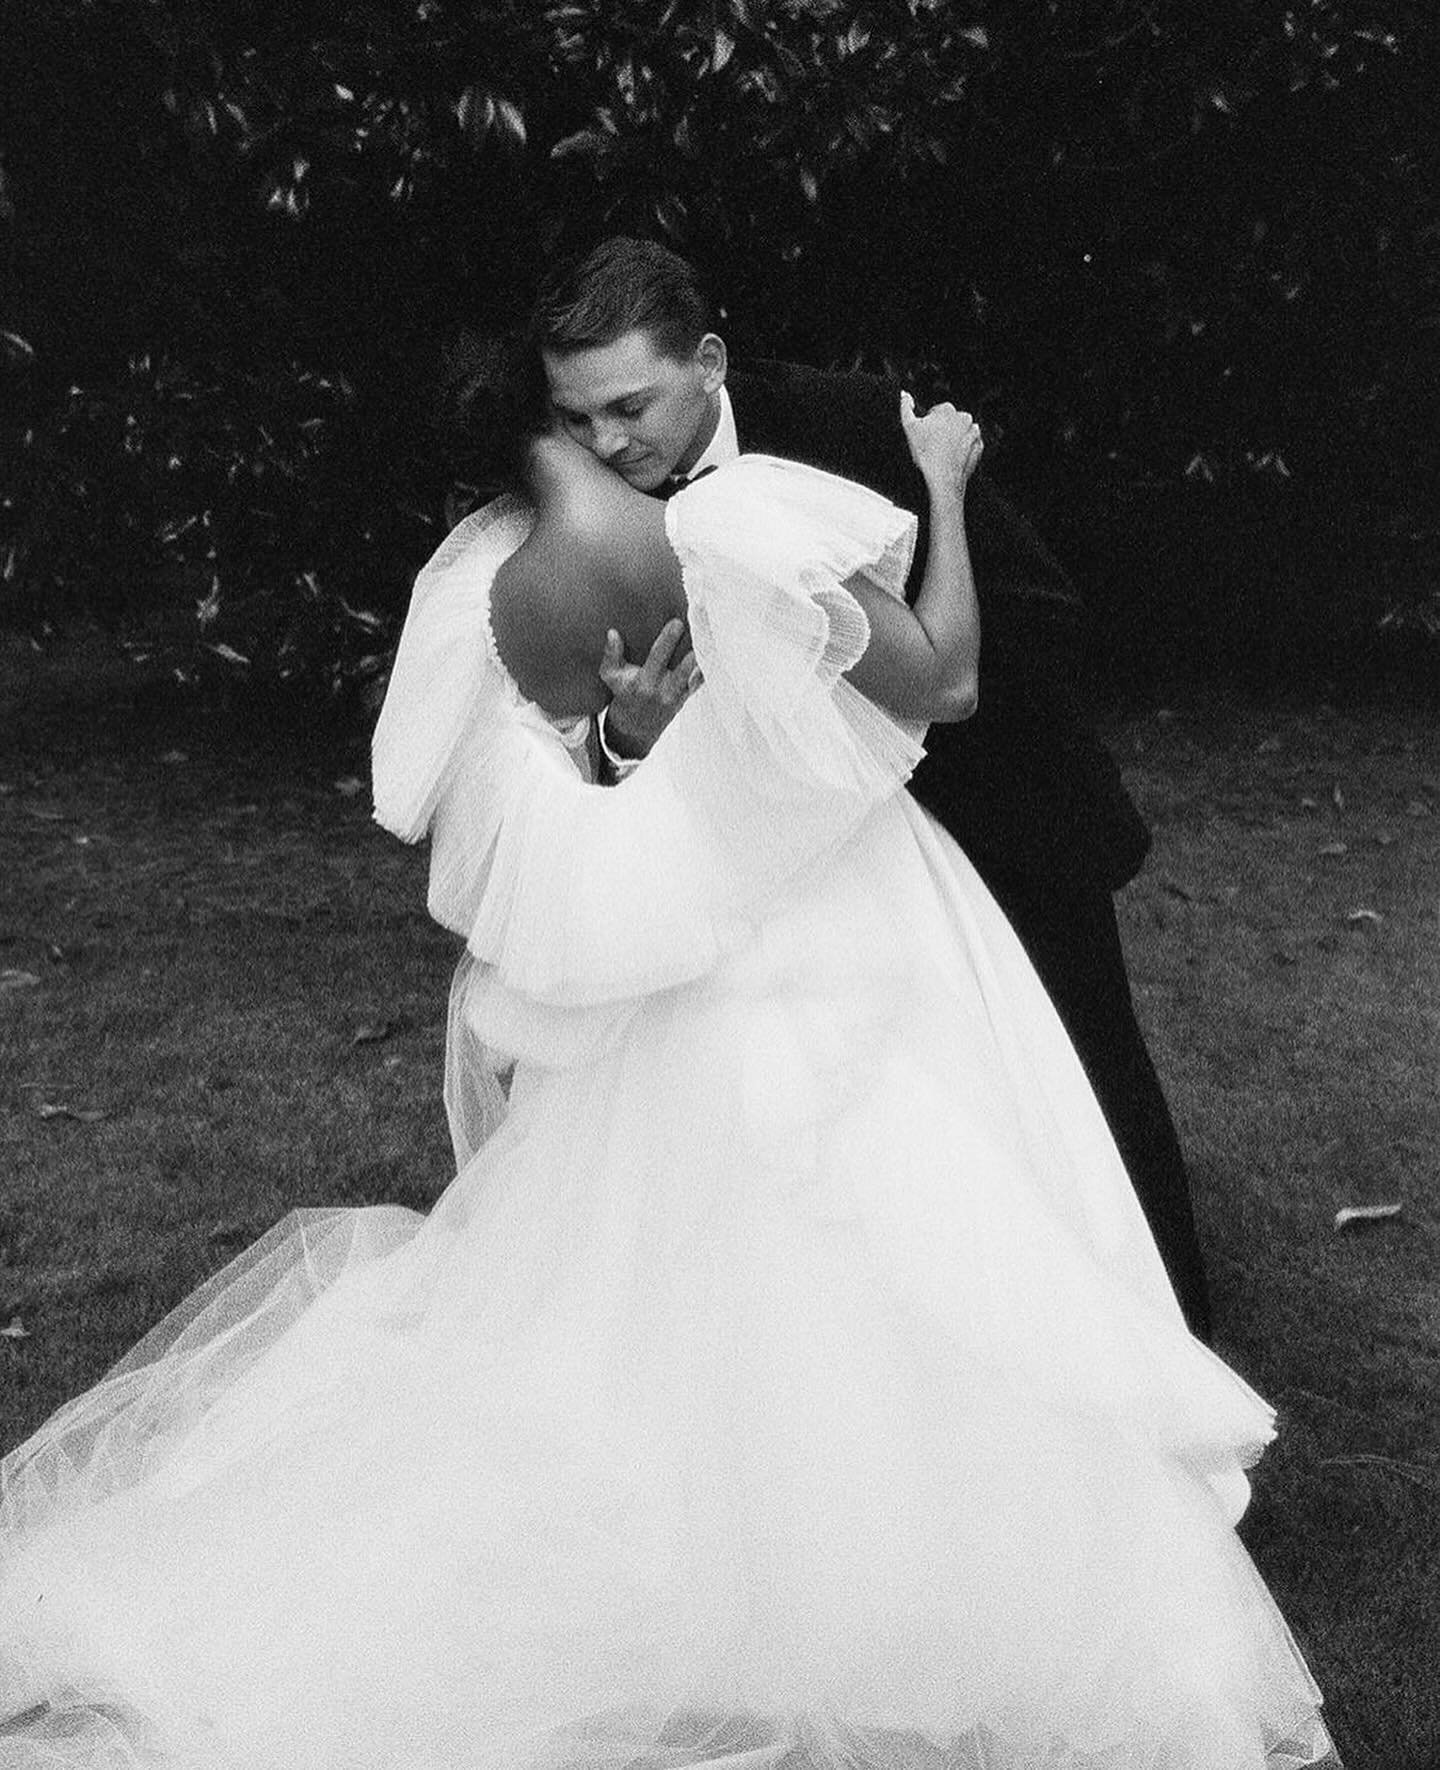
[(923, 663)]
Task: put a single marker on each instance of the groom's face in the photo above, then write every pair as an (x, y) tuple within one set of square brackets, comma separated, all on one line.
[(636, 408)]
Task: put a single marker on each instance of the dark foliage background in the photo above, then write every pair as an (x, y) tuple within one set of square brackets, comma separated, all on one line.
[(263, 259)]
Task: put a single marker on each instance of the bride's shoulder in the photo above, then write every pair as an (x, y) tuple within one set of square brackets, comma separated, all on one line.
[(596, 559)]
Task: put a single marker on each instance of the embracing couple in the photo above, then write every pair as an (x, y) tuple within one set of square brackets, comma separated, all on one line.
[(789, 1376), (636, 374)]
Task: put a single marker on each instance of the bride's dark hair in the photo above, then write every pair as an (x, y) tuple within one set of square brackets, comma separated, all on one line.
[(491, 403)]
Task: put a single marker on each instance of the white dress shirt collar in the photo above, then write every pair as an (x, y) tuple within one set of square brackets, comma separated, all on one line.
[(724, 445)]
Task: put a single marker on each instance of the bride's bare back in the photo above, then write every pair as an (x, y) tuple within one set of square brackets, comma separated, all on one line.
[(597, 559)]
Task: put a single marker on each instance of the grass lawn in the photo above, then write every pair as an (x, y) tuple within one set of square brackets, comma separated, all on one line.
[(220, 998)]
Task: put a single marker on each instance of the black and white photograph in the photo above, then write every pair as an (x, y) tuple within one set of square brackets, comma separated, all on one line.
[(719, 885)]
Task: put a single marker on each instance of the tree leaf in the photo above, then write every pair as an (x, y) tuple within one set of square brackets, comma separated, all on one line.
[(372, 1032), (229, 653), (583, 141), (17, 1330), (508, 114)]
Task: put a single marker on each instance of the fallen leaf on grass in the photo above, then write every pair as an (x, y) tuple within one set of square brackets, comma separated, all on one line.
[(175, 756), (18, 980), (349, 786), (1383, 839), (83, 1115), (1364, 916), (41, 815), (17, 1330), (1348, 1214), (372, 1034), (1331, 848), (1308, 804)]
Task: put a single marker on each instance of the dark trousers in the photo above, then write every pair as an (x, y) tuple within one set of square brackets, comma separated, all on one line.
[(1074, 944)]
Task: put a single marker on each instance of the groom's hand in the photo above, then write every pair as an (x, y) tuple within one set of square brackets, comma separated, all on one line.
[(644, 698)]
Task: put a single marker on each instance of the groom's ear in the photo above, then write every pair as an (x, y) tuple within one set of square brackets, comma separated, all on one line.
[(713, 359)]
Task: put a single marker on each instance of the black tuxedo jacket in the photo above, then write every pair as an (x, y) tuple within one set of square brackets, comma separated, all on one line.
[(1024, 786)]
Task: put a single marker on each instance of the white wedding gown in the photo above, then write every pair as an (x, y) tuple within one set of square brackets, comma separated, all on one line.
[(787, 1376)]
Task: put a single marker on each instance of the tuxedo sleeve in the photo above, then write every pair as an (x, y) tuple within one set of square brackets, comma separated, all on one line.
[(1025, 786)]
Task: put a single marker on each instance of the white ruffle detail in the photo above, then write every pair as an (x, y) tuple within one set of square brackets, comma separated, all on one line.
[(767, 547), (446, 662), (576, 897), (440, 665)]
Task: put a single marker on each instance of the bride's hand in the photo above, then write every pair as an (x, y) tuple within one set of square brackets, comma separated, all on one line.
[(945, 444)]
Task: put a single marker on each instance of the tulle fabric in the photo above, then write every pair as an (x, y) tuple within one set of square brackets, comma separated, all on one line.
[(576, 902), (789, 1378), (580, 897), (440, 665)]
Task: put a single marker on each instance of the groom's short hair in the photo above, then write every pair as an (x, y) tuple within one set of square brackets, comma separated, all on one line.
[(622, 285)]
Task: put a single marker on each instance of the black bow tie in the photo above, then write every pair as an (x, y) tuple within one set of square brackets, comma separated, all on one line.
[(667, 488)]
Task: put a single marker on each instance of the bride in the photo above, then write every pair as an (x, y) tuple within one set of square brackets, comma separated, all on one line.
[(788, 1375)]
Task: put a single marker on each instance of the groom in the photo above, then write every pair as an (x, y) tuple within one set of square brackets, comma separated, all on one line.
[(635, 373)]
